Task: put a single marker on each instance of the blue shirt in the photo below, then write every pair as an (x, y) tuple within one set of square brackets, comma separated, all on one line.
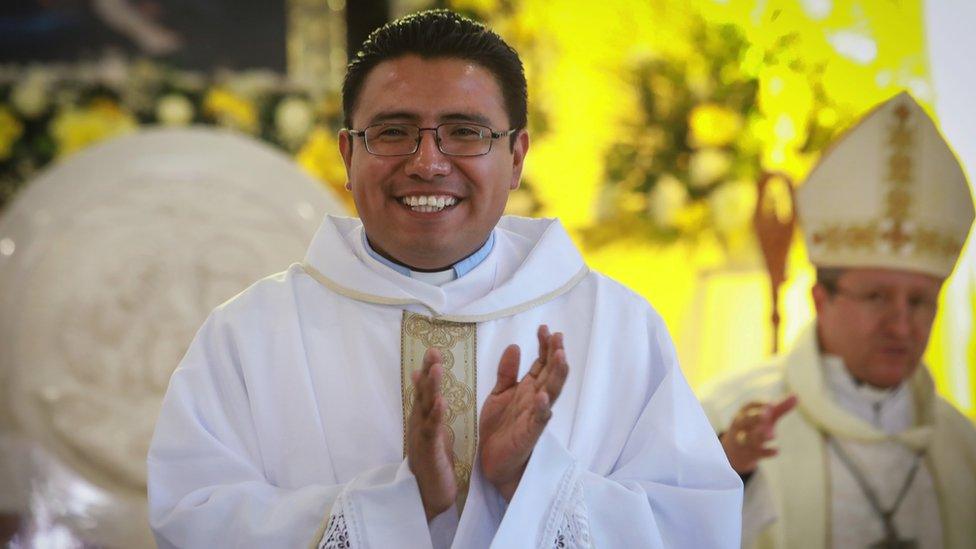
[(460, 268)]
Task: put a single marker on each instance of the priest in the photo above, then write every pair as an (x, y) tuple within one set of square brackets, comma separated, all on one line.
[(435, 374), (842, 441)]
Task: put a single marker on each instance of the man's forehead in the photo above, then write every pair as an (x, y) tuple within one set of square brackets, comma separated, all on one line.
[(405, 115), (411, 88), (886, 276), (412, 63)]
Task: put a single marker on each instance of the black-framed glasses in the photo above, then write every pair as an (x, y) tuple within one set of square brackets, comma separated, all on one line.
[(882, 303), (453, 138)]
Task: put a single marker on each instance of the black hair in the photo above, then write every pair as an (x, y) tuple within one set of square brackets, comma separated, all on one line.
[(434, 34), (828, 277)]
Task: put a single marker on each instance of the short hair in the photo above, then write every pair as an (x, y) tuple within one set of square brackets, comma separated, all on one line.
[(828, 277), (435, 34)]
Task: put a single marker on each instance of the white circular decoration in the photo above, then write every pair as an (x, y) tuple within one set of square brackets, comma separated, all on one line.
[(111, 260)]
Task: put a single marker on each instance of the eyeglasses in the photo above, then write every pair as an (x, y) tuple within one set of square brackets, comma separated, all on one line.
[(881, 303), (453, 138)]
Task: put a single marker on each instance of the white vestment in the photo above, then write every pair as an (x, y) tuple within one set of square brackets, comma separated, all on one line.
[(807, 496), (286, 412)]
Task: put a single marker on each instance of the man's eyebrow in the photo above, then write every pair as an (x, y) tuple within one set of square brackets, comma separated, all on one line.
[(392, 115), (466, 117), (408, 116)]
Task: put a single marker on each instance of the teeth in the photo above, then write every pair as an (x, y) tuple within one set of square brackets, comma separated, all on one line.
[(427, 204)]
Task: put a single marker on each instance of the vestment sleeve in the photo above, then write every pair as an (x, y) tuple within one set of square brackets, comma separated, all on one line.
[(670, 487), (208, 486)]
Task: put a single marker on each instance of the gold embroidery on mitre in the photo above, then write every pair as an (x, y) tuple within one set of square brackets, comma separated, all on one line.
[(898, 199), (894, 232), (457, 343), (836, 237)]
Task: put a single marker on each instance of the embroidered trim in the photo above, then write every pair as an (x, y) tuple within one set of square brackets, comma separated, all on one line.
[(336, 535), (341, 531), (457, 343), (568, 523), (502, 313), (316, 540), (348, 292)]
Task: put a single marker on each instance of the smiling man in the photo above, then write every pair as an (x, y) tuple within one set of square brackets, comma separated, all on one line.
[(427, 203), (873, 457), (376, 395)]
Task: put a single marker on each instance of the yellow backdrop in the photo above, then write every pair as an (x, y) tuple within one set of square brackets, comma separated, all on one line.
[(716, 305)]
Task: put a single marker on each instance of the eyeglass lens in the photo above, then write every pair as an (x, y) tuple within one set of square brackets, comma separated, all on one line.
[(457, 139)]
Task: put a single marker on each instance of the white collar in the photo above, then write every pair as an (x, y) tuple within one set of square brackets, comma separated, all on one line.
[(889, 410), (533, 261), (438, 278)]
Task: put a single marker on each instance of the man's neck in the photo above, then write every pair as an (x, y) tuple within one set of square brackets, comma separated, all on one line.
[(858, 381), (459, 268), (399, 263), (887, 409)]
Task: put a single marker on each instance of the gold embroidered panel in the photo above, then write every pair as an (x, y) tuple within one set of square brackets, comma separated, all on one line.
[(895, 231), (457, 343)]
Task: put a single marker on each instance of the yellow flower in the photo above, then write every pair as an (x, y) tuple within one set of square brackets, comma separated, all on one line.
[(708, 166), (74, 129), (293, 120), (713, 125), (231, 110), (666, 199), (30, 95), (665, 95), (174, 109), (698, 79), (10, 130), (732, 205), (320, 157), (692, 218)]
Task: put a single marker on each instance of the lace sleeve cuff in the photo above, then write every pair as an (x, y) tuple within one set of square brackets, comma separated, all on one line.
[(380, 508), (549, 501)]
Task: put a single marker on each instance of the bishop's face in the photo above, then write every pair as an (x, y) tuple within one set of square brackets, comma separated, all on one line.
[(878, 321), (386, 189)]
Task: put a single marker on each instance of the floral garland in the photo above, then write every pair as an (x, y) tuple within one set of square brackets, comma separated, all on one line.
[(48, 112), (687, 162)]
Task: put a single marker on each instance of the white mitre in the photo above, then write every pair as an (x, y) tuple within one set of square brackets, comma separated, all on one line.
[(888, 193)]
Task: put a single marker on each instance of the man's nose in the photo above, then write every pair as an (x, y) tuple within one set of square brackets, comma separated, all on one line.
[(899, 319), (428, 162)]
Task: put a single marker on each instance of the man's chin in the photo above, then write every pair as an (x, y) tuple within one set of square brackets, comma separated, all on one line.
[(428, 254), (892, 370)]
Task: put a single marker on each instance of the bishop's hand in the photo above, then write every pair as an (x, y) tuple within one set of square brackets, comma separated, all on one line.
[(745, 442), (516, 412), (429, 443)]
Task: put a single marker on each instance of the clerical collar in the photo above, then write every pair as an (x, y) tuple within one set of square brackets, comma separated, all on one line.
[(883, 408), (437, 278)]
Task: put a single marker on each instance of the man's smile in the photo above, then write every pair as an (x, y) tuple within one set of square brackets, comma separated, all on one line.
[(429, 203)]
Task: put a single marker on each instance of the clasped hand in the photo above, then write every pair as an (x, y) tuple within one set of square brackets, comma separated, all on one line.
[(512, 420)]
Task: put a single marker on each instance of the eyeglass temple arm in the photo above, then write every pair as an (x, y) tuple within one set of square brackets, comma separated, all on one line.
[(496, 135)]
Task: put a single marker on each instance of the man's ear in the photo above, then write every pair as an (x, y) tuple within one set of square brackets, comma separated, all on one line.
[(518, 157), (345, 149), (820, 297)]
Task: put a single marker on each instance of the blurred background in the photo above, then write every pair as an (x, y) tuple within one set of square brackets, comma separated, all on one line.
[(652, 121)]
